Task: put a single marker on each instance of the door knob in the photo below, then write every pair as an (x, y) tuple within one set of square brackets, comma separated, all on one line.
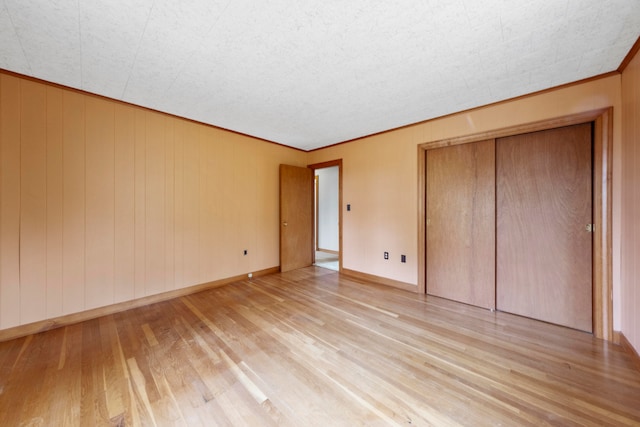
[(284, 223)]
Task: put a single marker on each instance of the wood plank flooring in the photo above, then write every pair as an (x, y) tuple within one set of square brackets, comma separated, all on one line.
[(310, 347)]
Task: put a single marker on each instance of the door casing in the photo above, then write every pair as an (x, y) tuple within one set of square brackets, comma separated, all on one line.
[(602, 203), (327, 164)]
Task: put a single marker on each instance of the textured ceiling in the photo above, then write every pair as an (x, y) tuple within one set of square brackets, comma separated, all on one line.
[(313, 73)]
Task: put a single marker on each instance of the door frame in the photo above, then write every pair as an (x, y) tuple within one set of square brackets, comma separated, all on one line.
[(323, 165), (602, 120)]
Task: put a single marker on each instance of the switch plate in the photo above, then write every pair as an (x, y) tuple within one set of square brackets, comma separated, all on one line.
[(348, 206), (403, 258)]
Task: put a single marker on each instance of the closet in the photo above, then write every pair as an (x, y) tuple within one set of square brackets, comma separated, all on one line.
[(509, 224), (461, 223)]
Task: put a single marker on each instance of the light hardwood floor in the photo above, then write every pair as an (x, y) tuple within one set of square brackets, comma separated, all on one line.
[(327, 260), (310, 347)]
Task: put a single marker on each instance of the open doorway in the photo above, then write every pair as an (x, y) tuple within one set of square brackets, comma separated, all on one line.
[(327, 215)]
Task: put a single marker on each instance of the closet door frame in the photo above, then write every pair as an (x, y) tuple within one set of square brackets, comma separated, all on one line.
[(602, 120)]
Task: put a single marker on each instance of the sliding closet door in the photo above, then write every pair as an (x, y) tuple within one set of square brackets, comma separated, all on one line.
[(544, 206), (461, 223)]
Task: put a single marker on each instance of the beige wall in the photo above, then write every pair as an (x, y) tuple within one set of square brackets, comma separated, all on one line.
[(631, 203), (380, 176), (101, 202)]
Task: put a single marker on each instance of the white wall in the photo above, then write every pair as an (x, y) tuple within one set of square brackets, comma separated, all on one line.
[(328, 208)]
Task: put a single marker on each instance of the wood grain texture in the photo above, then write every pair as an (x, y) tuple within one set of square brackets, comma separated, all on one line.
[(630, 209), (99, 204), (54, 197), (124, 203), (155, 181), (33, 207), (140, 214), (9, 201), (544, 202), (603, 236), (461, 223), (312, 347), (103, 202), (296, 217), (74, 218)]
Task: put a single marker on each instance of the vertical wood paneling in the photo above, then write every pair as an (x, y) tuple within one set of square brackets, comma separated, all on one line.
[(210, 242), (631, 297), (245, 183), (267, 218), (222, 187), (630, 270), (234, 191), (228, 188), (99, 203), (55, 218), (33, 201), (124, 215), (206, 210), (461, 223), (154, 204), (191, 206), (634, 135), (634, 311), (106, 203), (629, 257), (1, 205), (140, 205), (178, 209), (9, 201), (1, 262), (169, 195), (73, 268)]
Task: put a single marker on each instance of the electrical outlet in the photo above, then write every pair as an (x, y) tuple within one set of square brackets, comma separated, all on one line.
[(403, 258), (245, 252), (386, 255)]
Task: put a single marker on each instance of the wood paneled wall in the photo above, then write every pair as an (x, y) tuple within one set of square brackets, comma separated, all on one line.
[(102, 202), (631, 203)]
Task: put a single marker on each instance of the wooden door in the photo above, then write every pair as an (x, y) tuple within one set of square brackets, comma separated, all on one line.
[(544, 203), (461, 223), (296, 217)]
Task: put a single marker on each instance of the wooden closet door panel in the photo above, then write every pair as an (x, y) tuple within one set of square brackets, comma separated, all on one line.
[(461, 223), (544, 203)]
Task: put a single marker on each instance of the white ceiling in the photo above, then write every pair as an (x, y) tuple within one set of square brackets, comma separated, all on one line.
[(313, 73)]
